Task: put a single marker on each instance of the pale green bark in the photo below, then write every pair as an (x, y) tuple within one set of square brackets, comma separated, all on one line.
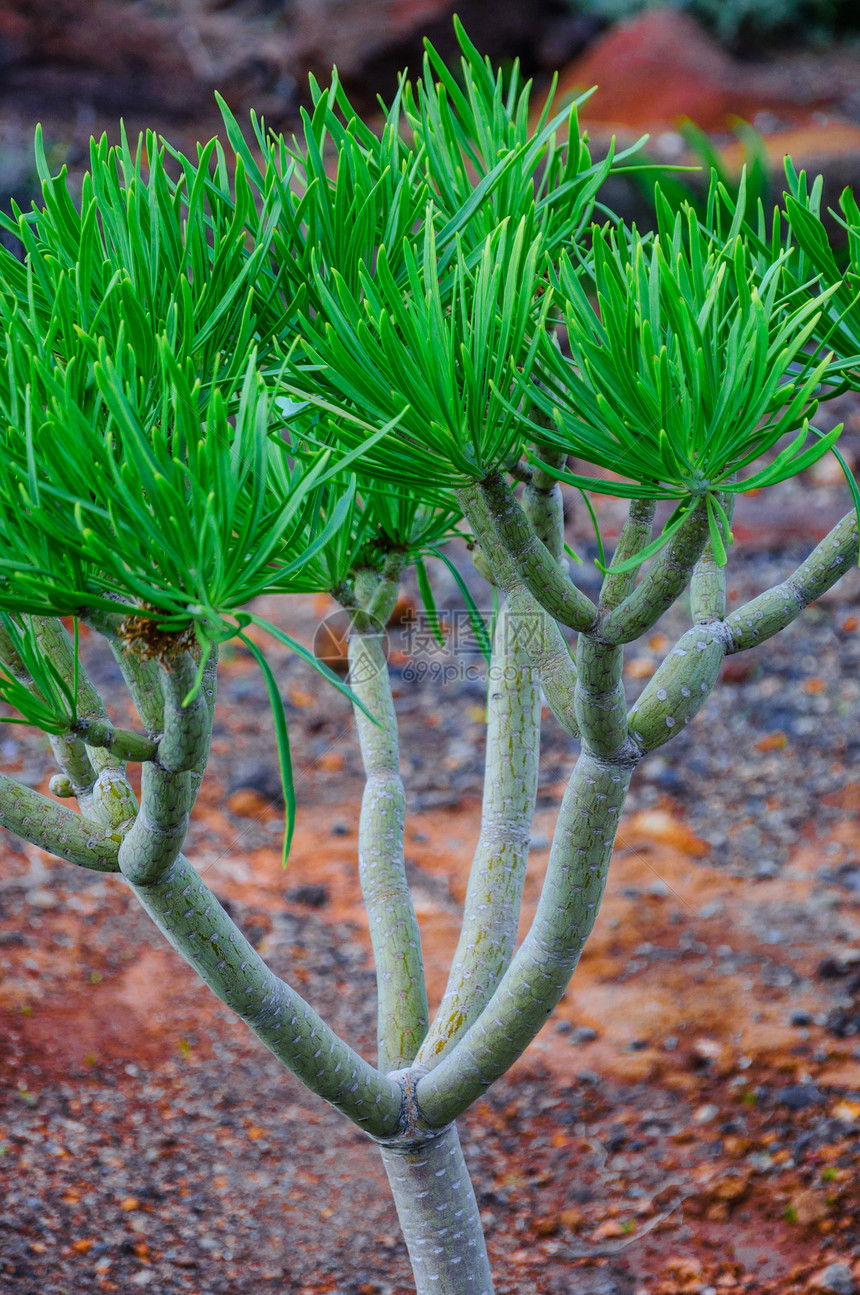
[(536, 629), (679, 688), (185, 910), (531, 560), (58, 830), (186, 727), (543, 505), (708, 585), (439, 1216), (402, 997), (494, 893), (100, 734), (169, 785), (601, 707), (95, 769), (771, 611), (666, 578), (635, 535), (543, 965)]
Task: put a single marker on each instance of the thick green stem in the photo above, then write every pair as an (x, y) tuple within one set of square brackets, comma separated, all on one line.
[(56, 829), (71, 755), (169, 787), (543, 965), (537, 631), (533, 563), (544, 507), (495, 889), (601, 706), (158, 832), (771, 611), (94, 746), (142, 678), (635, 535), (439, 1216), (708, 585), (84, 767), (122, 744), (184, 741), (680, 687), (402, 997), (189, 915), (660, 586)]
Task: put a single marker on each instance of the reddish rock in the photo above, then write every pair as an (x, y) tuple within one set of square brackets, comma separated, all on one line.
[(661, 67)]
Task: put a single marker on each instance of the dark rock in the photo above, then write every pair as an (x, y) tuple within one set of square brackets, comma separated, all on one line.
[(801, 1018), (843, 1022), (848, 875), (798, 1096), (262, 778), (616, 1138), (583, 1034), (309, 895), (831, 969)]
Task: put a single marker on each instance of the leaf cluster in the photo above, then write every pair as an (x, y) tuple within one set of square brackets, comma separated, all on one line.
[(687, 362), (143, 449), (31, 683)]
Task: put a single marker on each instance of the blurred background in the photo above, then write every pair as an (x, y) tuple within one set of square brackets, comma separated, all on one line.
[(787, 68)]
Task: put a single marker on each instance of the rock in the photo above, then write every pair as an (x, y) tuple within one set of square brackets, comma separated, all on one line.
[(730, 1189), (309, 895), (807, 1207), (798, 1096), (259, 777), (848, 875), (801, 1018), (663, 827), (341, 32), (583, 1034), (686, 1273), (661, 67), (608, 1231), (41, 899), (836, 1278), (248, 803), (571, 1218), (132, 58)]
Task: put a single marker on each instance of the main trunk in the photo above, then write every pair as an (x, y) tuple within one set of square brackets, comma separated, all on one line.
[(439, 1216)]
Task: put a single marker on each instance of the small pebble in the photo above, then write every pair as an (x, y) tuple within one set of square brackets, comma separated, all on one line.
[(583, 1034), (798, 1096), (309, 895), (838, 1279)]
